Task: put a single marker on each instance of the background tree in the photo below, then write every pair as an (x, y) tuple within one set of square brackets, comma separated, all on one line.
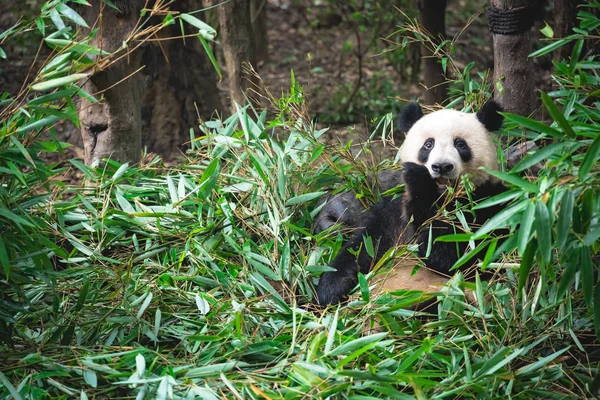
[(259, 30), (160, 89), (432, 16), (510, 22), (181, 86), (565, 13), (112, 128), (237, 36)]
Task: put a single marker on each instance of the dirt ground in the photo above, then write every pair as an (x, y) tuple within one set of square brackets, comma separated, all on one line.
[(315, 54)]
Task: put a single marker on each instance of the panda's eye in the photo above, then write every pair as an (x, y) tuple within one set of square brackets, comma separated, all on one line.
[(428, 145), (460, 144)]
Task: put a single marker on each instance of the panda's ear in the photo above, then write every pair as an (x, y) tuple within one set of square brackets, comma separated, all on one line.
[(410, 114), (489, 117)]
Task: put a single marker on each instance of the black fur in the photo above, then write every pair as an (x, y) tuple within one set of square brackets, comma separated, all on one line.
[(424, 151), (408, 116), (463, 150), (389, 224), (489, 117), (384, 226), (346, 209)]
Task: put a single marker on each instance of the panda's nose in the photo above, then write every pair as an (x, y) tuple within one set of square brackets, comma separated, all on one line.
[(442, 168)]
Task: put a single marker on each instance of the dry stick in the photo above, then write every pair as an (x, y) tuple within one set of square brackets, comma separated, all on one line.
[(121, 81)]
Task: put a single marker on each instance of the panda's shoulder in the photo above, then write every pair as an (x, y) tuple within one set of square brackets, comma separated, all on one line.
[(489, 188)]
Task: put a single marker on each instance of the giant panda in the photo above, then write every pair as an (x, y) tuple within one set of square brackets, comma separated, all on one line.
[(439, 148)]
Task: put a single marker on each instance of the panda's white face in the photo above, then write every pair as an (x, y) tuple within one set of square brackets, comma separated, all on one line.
[(451, 143)]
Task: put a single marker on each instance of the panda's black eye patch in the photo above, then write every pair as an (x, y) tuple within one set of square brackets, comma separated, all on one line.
[(425, 150), (463, 149)]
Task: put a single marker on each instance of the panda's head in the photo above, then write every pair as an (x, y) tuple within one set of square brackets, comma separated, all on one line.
[(451, 143)]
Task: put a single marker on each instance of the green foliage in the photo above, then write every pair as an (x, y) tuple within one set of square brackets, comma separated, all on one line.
[(553, 219), (375, 98), (29, 247), (195, 281), (561, 215)]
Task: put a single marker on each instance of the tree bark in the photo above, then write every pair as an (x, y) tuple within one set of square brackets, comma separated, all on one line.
[(238, 46), (513, 69), (565, 13), (112, 128), (259, 29), (432, 16), (181, 87)]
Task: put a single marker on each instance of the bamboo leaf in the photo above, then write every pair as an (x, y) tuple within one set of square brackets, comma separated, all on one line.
[(331, 332), (4, 258), (515, 180), (23, 150), (209, 177), (542, 362), (205, 30), (120, 172), (558, 116), (587, 274), (145, 305), (534, 125), (40, 123), (589, 159), (57, 82), (544, 230), (499, 220), (71, 14), (526, 264), (526, 227), (211, 56), (364, 287), (303, 198), (592, 236), (552, 46), (357, 343), (9, 215), (568, 276), (9, 386), (499, 199), (565, 217), (544, 153)]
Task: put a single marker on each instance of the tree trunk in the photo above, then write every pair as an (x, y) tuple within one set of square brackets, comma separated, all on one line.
[(510, 22), (259, 30), (238, 46), (112, 128), (565, 13), (432, 15), (182, 87)]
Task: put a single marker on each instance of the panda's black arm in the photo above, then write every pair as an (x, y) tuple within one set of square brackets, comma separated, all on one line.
[(334, 286), (422, 197), (422, 193)]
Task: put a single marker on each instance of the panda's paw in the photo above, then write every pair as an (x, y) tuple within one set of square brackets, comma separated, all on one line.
[(417, 177), (333, 288)]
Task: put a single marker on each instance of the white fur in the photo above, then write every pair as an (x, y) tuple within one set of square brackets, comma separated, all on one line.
[(444, 126)]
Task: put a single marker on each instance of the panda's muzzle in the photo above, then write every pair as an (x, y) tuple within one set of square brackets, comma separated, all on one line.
[(442, 173), (442, 168)]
